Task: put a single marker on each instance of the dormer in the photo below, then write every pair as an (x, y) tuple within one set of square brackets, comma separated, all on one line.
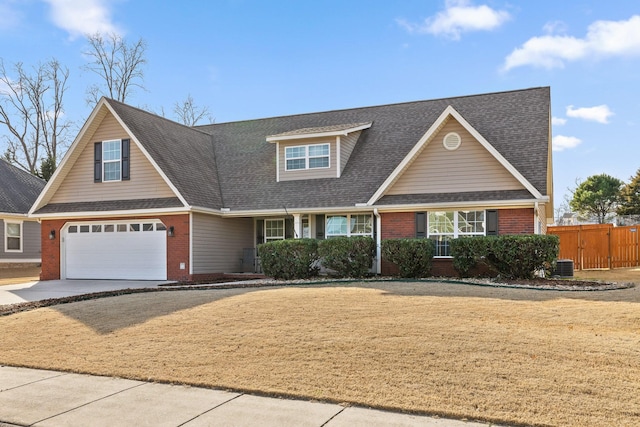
[(315, 152)]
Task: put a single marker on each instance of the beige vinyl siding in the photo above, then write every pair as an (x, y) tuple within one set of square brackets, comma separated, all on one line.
[(329, 172), (78, 186), (31, 243), (542, 218), (347, 144), (218, 243), (469, 168)]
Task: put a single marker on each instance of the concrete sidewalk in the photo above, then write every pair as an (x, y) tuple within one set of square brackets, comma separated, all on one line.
[(48, 398)]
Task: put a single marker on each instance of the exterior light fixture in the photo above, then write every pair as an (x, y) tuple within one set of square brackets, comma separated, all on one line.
[(52, 234), (170, 232)]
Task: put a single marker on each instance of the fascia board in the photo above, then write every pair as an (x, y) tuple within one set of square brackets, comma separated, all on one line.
[(127, 213)]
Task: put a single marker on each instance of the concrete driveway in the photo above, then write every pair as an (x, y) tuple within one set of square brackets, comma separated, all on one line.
[(41, 290)]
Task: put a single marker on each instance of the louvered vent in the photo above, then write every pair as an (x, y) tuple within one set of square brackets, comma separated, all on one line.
[(452, 141)]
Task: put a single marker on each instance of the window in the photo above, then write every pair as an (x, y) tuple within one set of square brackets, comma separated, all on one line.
[(349, 225), (444, 226), (307, 157), (111, 160), (13, 236), (274, 229)]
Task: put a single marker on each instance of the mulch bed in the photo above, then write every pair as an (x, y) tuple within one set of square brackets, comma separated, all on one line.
[(231, 283)]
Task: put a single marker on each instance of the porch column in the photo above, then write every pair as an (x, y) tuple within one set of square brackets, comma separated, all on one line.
[(297, 226)]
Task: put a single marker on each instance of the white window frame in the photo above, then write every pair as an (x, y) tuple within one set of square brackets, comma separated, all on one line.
[(274, 238), (110, 161), (307, 157), (349, 225), (456, 227), (6, 236)]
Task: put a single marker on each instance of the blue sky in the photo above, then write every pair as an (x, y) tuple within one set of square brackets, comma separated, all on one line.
[(250, 59)]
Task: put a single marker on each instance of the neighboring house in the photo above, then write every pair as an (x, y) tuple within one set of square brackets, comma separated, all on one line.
[(141, 197), (19, 235)]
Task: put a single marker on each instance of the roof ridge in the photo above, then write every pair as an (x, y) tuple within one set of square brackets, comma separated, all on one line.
[(377, 106)]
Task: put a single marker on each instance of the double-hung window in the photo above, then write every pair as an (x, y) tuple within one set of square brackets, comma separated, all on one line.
[(349, 225), (13, 236), (112, 160), (444, 226), (273, 229), (306, 157)]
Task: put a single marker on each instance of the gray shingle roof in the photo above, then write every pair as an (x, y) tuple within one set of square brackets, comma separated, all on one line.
[(186, 155), (320, 129), (516, 123), (18, 189), (475, 196), (111, 205)]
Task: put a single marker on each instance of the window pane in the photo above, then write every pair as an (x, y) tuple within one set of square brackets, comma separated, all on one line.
[(13, 230), (147, 227), (112, 171), (274, 229), (13, 243), (111, 150), (471, 222), (108, 228), (160, 226), (295, 164), (319, 162), (134, 227), (441, 223), (361, 224), (336, 225), (294, 152), (442, 247), (73, 229), (84, 228), (122, 228), (96, 228), (319, 150)]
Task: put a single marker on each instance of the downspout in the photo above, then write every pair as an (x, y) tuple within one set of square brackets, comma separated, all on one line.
[(378, 241)]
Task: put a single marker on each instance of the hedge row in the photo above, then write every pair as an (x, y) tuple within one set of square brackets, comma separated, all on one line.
[(509, 256)]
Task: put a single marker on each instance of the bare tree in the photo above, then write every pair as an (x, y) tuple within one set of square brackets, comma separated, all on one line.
[(32, 113), (119, 64), (188, 113)]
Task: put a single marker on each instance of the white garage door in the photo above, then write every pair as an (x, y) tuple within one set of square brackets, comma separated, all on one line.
[(135, 250)]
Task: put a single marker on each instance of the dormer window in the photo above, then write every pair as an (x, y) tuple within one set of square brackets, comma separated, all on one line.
[(307, 157)]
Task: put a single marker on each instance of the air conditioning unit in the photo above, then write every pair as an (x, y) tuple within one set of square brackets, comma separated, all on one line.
[(564, 268)]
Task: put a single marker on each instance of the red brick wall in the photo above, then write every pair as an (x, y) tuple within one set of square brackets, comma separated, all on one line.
[(177, 246), (396, 225), (516, 221)]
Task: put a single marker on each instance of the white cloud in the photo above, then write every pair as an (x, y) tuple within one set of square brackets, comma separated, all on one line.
[(81, 17), (9, 16), (600, 113), (561, 142), (459, 17), (604, 38), (558, 121)]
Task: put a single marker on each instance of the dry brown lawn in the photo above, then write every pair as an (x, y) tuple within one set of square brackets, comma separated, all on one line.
[(502, 355)]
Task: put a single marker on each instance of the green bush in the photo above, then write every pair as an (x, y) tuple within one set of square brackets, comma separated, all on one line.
[(519, 257), (289, 259), (512, 256), (348, 256), (468, 252), (411, 256)]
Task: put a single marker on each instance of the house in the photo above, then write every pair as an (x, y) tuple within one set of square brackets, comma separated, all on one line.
[(138, 196), (20, 234)]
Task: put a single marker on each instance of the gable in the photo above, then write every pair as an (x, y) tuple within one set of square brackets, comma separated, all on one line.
[(466, 169), (78, 184)]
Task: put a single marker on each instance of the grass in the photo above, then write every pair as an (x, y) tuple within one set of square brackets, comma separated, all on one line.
[(504, 355)]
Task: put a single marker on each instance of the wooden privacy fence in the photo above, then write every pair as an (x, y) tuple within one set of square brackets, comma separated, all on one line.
[(598, 245)]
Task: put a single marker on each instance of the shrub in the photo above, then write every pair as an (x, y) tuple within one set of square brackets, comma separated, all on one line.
[(289, 259), (348, 256), (468, 252), (519, 257), (411, 256), (516, 257)]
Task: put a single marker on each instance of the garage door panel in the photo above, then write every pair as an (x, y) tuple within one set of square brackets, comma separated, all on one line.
[(139, 255)]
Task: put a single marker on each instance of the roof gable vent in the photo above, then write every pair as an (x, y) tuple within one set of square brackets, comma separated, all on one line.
[(451, 141)]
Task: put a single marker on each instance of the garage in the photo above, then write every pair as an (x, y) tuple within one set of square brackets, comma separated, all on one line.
[(131, 250)]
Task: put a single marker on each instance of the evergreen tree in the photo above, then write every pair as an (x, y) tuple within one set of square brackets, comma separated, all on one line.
[(630, 197), (597, 197)]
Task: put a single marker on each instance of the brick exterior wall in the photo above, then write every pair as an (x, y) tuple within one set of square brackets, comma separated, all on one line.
[(402, 225), (177, 246), (516, 221)]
